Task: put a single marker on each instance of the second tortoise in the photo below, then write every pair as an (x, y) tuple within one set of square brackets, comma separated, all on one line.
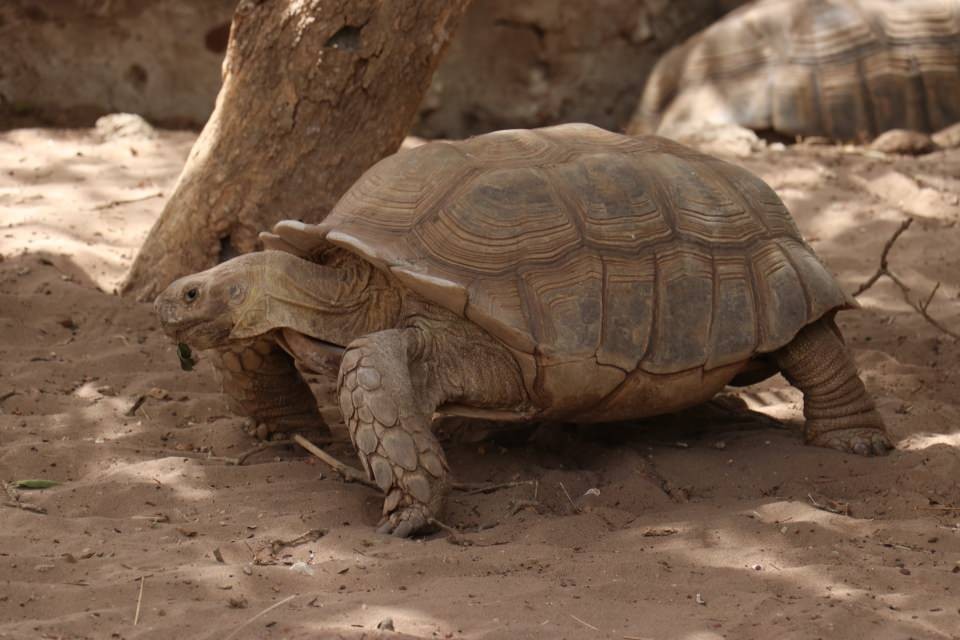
[(847, 70)]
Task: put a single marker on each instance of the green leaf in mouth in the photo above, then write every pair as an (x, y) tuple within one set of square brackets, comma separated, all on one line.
[(186, 357)]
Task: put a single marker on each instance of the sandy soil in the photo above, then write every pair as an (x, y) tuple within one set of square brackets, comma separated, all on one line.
[(704, 525)]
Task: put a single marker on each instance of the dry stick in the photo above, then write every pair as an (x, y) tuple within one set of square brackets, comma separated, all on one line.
[(116, 203), (313, 535), (263, 446), (473, 488), (26, 506), (583, 622), (262, 613), (884, 270), (829, 508), (576, 509), (206, 457), (16, 504), (136, 616), (455, 536), (352, 474)]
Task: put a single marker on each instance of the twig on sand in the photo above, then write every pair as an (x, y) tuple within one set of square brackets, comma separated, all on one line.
[(263, 446), (277, 545), (16, 504), (455, 536), (584, 622), (262, 613), (839, 508), (939, 507), (473, 488), (576, 509), (350, 474), (884, 270), (136, 616), (26, 506), (117, 203)]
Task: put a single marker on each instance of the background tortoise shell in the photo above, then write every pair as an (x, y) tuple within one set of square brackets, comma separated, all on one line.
[(586, 252), (845, 69)]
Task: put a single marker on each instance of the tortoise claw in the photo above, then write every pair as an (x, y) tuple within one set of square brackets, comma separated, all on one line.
[(405, 522), (863, 442)]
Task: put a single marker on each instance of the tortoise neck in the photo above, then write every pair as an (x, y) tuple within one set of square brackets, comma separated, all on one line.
[(336, 300)]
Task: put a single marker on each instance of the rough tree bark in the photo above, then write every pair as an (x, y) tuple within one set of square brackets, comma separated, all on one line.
[(314, 92)]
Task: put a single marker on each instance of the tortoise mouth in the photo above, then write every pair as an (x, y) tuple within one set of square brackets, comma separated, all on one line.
[(198, 334)]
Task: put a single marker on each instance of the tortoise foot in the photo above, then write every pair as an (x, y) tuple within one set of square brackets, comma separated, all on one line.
[(406, 521), (863, 442), (270, 433)]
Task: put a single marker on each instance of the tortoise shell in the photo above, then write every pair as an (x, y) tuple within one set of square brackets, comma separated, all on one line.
[(587, 252), (844, 69)]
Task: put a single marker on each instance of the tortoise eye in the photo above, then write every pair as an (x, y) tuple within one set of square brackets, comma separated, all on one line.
[(191, 294)]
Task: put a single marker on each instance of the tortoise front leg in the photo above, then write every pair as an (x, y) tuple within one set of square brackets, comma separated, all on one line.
[(389, 418), (262, 382), (839, 412), (391, 383)]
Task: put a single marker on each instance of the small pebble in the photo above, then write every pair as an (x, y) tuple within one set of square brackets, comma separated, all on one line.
[(386, 625)]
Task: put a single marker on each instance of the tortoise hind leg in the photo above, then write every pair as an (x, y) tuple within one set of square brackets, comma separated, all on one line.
[(839, 413), (263, 383)]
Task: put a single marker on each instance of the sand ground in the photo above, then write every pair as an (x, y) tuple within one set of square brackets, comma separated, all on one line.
[(704, 525)]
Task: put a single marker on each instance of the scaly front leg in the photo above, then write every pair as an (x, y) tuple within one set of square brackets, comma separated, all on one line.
[(388, 411)]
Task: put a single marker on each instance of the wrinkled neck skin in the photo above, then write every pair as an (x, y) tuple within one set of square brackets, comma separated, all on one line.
[(336, 301)]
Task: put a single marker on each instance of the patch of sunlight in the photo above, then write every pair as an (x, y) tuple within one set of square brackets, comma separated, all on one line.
[(97, 421), (169, 471), (832, 221), (787, 512), (919, 441)]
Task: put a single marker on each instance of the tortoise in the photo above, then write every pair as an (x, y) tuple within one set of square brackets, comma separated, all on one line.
[(847, 70), (559, 274)]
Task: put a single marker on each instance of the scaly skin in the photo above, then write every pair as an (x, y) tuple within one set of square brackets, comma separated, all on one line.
[(389, 423), (261, 379), (839, 412), (391, 383)]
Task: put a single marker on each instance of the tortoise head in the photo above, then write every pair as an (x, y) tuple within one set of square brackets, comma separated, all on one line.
[(203, 309)]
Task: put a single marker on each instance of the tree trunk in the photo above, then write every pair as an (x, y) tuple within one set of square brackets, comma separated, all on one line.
[(314, 92)]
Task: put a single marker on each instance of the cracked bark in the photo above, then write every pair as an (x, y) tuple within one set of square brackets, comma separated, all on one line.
[(314, 92)]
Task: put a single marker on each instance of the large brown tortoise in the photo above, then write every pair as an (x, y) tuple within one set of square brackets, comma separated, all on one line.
[(565, 273), (843, 69)]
